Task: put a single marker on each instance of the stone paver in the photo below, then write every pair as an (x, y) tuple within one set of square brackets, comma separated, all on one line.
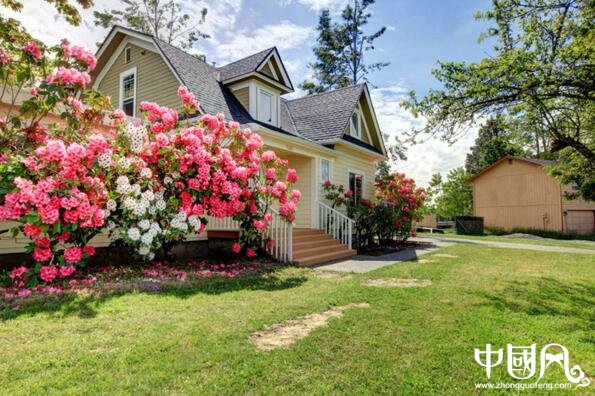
[(363, 263)]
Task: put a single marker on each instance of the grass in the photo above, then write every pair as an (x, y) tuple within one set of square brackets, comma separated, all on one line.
[(410, 341), (498, 238)]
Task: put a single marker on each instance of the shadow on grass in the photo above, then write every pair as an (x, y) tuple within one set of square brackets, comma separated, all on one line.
[(546, 296), (86, 306)]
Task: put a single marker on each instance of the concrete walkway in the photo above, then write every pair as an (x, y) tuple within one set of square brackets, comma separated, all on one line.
[(363, 263), (510, 245)]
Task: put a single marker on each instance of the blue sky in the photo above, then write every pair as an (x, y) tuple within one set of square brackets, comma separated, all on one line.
[(419, 34)]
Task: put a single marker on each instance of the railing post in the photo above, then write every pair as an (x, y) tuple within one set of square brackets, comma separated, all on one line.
[(350, 234)]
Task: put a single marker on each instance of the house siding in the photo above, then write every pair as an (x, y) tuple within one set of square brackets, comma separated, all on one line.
[(243, 95), (305, 169), (518, 194), (155, 82)]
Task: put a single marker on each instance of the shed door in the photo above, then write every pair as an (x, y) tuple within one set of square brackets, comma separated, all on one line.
[(580, 221)]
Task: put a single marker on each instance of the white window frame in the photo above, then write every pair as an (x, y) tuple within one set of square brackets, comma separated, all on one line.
[(274, 106), (330, 170), (356, 132), (123, 75), (357, 172)]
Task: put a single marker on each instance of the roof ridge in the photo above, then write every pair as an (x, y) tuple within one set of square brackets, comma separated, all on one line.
[(360, 85), (182, 51), (245, 57)]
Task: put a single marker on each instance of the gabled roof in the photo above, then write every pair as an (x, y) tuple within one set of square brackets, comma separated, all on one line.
[(320, 118), (323, 117), (532, 161), (245, 65)]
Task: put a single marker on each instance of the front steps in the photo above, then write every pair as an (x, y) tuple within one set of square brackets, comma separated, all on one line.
[(312, 246)]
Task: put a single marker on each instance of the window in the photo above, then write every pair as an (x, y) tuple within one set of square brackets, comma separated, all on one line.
[(128, 92), (265, 106), (325, 170), (355, 185), (128, 54), (355, 132)]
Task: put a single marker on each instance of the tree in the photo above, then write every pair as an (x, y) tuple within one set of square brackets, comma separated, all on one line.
[(163, 19), (495, 141), (64, 7), (341, 49), (382, 169), (454, 195), (543, 67)]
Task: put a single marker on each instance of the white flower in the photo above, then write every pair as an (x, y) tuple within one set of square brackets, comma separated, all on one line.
[(106, 213), (144, 224), (143, 250), (155, 228), (148, 194), (151, 256), (111, 205), (159, 194), (124, 163), (111, 225), (152, 210), (135, 189), (105, 160), (114, 235), (167, 180), (137, 136), (134, 233), (130, 203), (194, 221), (181, 216), (122, 179), (175, 175), (146, 173), (147, 239), (160, 204), (139, 209)]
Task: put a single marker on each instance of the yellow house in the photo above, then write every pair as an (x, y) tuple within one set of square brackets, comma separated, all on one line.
[(330, 136), (517, 192)]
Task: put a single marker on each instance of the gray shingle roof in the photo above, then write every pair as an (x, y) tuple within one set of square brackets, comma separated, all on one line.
[(202, 79), (536, 161), (244, 66), (323, 117)]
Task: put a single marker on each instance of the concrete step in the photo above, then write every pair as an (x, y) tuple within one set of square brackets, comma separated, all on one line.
[(325, 257)]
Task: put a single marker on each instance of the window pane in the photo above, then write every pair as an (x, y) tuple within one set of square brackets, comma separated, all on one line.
[(355, 185), (325, 170), (128, 107), (265, 111), (354, 125), (128, 86)]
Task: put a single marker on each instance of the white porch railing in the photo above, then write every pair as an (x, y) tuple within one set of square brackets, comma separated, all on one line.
[(223, 224), (335, 223), (281, 232)]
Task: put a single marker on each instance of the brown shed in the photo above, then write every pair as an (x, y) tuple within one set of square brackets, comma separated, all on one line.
[(517, 192)]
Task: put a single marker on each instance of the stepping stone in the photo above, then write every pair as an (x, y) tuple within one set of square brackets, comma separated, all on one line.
[(445, 255), (392, 282), (286, 333)]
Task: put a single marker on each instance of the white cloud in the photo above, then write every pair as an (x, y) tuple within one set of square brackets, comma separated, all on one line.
[(425, 158), (285, 35), (335, 6)]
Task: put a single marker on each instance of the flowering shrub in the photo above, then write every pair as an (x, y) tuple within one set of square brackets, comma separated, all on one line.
[(150, 185), (386, 219)]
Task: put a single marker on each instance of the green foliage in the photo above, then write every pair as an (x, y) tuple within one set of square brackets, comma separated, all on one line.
[(495, 141), (576, 171), (542, 67), (341, 48), (64, 7), (163, 19), (453, 196)]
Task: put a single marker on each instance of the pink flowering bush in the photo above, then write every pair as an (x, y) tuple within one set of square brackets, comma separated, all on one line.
[(149, 185), (389, 217)]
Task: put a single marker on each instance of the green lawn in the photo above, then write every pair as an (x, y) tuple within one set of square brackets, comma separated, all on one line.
[(409, 341), (498, 238)]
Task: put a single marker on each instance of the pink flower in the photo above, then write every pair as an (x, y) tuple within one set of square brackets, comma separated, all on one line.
[(236, 248), (73, 255), (18, 276), (270, 244), (270, 173), (32, 49), (90, 250), (42, 255), (23, 293), (65, 272), (250, 253), (292, 176), (328, 183), (48, 273), (268, 156), (349, 194), (89, 281), (4, 58), (188, 99), (43, 243), (260, 225), (72, 283), (32, 231), (68, 76)]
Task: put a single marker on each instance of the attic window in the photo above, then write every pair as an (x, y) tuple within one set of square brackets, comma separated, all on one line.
[(128, 55), (128, 91), (267, 107), (354, 125)]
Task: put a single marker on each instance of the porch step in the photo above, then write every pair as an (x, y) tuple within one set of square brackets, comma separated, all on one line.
[(311, 247)]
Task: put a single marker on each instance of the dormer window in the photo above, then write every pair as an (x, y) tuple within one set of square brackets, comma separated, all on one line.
[(267, 107), (355, 125)]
